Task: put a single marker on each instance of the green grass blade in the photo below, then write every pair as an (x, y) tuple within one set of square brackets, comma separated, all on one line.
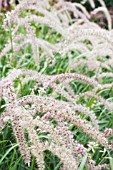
[(3, 141), (58, 166), (83, 162), (111, 163), (4, 156), (16, 164)]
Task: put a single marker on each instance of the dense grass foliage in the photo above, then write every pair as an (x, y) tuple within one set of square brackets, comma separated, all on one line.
[(65, 82)]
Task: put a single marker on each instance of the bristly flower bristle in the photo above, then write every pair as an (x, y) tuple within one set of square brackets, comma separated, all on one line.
[(58, 96)]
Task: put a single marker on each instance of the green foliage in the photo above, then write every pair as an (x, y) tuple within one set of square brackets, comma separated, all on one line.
[(10, 158), (109, 3)]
